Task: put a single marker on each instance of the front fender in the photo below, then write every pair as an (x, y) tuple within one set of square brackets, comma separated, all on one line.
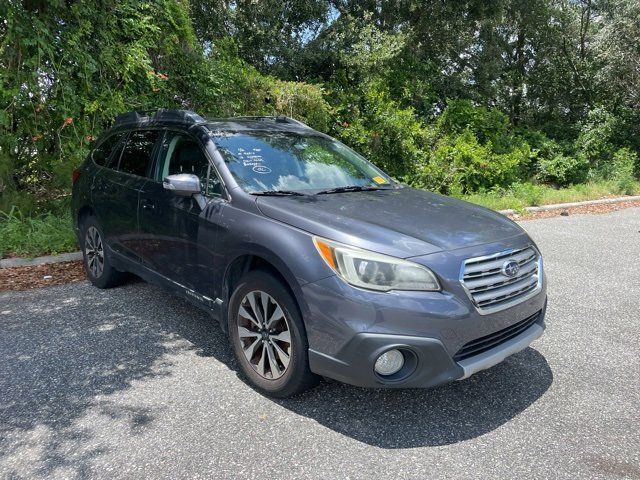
[(289, 250)]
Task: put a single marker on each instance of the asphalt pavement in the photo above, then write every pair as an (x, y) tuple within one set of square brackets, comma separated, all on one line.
[(134, 383)]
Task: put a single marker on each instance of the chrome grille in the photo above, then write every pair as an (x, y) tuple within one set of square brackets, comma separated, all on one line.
[(491, 289)]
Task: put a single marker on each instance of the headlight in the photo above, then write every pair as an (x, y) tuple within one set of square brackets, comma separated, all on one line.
[(375, 271)]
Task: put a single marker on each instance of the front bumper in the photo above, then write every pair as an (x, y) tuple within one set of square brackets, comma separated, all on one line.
[(348, 328), (427, 362)]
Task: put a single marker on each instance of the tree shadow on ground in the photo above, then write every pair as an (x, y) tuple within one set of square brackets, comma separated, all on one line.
[(61, 354)]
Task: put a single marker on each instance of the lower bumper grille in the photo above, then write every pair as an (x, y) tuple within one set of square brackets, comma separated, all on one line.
[(482, 344)]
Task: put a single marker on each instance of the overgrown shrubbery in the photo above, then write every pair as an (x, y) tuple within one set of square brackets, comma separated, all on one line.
[(563, 170), (68, 68), (461, 164), (474, 149), (624, 161), (390, 136), (28, 235), (469, 148)]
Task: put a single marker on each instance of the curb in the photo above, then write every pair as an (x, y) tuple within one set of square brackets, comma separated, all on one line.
[(564, 206), (24, 262)]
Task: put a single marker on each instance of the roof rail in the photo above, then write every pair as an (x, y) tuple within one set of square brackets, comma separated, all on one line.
[(276, 119), (160, 115), (292, 120), (132, 117)]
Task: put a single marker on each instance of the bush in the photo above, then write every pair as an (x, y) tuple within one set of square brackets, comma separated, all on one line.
[(488, 125), (462, 165), (602, 137), (19, 200), (563, 170), (596, 141), (389, 135), (622, 172), (543, 145), (300, 100), (32, 236)]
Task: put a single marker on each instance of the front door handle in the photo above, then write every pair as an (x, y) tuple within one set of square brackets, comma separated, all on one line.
[(147, 204)]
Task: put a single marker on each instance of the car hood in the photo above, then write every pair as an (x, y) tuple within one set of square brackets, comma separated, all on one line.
[(402, 222)]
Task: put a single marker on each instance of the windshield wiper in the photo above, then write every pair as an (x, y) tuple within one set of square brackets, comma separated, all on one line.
[(277, 193), (349, 188)]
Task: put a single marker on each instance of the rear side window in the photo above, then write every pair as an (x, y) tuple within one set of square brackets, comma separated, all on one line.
[(137, 153), (102, 154)]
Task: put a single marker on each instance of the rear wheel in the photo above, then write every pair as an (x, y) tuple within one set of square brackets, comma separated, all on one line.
[(268, 336), (97, 262)]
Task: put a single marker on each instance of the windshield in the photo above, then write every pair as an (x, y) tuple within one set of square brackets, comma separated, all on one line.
[(262, 161)]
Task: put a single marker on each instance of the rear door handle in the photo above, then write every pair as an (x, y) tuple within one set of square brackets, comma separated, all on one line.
[(148, 204)]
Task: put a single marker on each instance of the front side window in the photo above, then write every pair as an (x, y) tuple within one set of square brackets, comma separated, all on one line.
[(180, 153), (102, 154), (261, 161), (138, 151)]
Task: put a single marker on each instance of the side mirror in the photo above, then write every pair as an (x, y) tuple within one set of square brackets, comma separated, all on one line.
[(185, 184)]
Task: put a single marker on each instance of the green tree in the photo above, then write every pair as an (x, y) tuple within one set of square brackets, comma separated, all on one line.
[(68, 68)]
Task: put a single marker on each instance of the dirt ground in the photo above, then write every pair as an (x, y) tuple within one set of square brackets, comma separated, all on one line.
[(36, 276), (593, 209)]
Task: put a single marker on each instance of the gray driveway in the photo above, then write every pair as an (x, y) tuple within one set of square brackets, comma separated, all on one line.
[(131, 383)]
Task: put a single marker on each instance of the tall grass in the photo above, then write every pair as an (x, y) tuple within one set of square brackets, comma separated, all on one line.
[(24, 236), (519, 196)]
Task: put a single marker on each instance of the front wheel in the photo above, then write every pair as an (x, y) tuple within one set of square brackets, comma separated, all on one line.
[(268, 336)]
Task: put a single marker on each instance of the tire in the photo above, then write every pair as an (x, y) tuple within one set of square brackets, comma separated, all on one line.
[(275, 362), (96, 257)]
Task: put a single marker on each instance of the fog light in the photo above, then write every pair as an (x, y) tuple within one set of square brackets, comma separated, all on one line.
[(389, 362)]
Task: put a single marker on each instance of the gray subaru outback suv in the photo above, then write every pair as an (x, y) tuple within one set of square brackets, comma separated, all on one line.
[(314, 261)]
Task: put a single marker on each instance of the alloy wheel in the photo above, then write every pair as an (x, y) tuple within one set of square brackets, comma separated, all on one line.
[(94, 251), (264, 334)]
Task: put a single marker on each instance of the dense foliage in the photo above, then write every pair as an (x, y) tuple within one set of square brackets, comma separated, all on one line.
[(68, 68), (455, 96), (459, 96)]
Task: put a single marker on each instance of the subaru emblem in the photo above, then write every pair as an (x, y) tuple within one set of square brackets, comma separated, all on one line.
[(510, 268)]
